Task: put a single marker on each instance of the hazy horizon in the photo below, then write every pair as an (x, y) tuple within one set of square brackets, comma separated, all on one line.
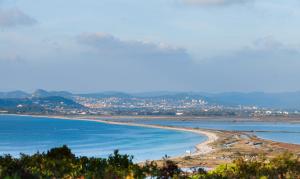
[(141, 92), (136, 46)]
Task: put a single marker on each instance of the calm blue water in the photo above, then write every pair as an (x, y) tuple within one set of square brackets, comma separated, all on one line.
[(85, 138), (277, 127)]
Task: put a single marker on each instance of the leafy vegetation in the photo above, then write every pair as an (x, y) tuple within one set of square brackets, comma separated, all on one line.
[(283, 166), (62, 163)]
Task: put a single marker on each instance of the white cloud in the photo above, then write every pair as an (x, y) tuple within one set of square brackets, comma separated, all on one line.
[(106, 44), (15, 17), (265, 65), (99, 61)]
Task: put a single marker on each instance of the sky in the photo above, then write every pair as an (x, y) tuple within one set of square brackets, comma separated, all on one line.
[(157, 45)]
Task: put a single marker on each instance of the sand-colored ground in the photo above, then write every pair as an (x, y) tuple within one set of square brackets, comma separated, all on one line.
[(201, 148), (232, 145), (219, 148)]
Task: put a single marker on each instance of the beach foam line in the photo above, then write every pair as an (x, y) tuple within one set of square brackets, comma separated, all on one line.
[(201, 148)]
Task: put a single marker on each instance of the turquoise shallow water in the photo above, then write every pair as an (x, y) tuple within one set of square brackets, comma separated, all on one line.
[(291, 132), (27, 134)]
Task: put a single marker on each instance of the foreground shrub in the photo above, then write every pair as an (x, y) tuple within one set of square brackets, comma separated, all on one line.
[(61, 163), (285, 166)]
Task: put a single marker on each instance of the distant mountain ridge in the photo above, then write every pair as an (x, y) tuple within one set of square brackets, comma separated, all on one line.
[(43, 93), (37, 105), (14, 94), (40, 93), (107, 95), (53, 100), (284, 100)]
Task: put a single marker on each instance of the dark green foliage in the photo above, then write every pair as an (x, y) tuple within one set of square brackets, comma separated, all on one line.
[(169, 170), (119, 166), (285, 166), (62, 163)]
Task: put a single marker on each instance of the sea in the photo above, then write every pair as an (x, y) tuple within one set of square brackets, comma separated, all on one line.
[(288, 132), (27, 134)]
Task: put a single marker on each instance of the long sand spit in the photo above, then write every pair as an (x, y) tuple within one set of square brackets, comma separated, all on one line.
[(201, 148), (220, 147)]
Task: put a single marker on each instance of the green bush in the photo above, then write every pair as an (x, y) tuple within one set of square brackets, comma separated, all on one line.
[(62, 163), (283, 166)]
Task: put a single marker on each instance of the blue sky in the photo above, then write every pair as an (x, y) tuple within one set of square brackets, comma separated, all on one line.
[(133, 45)]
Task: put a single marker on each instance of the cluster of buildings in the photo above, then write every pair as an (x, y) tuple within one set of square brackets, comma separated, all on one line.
[(140, 103), (134, 106), (169, 106)]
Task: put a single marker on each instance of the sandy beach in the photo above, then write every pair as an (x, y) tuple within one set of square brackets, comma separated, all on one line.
[(201, 148), (219, 147)]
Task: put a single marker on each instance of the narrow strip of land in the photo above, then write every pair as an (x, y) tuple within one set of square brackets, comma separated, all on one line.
[(201, 148), (220, 146)]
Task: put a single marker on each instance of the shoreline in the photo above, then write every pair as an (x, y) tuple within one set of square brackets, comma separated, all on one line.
[(274, 119), (220, 146), (201, 148), (211, 137)]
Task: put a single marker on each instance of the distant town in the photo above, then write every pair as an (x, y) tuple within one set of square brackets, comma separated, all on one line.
[(150, 104)]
